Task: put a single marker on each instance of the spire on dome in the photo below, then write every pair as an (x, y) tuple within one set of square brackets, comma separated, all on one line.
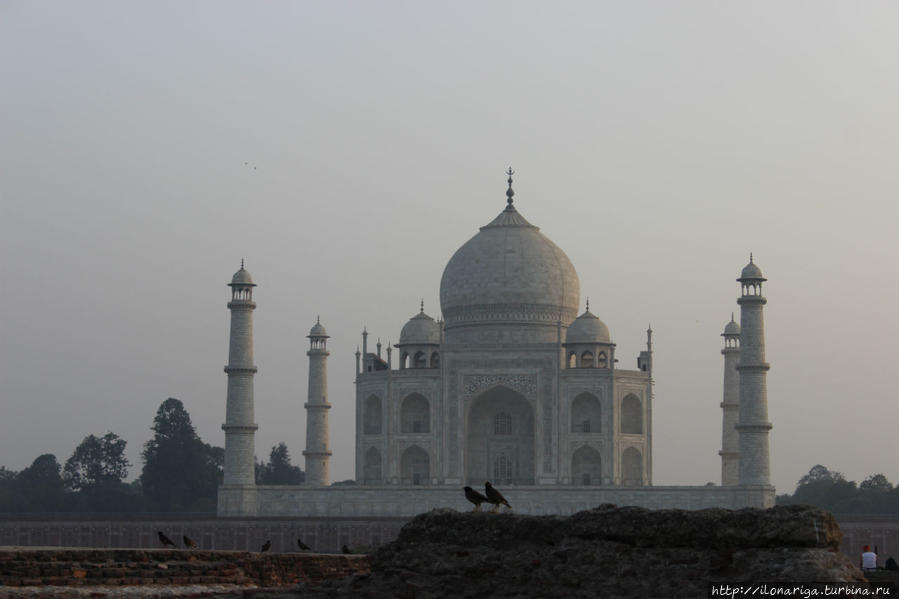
[(509, 192)]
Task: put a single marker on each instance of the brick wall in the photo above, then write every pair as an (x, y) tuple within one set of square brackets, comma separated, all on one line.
[(89, 567)]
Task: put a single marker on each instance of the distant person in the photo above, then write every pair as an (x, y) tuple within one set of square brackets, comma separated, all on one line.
[(891, 564), (869, 559)]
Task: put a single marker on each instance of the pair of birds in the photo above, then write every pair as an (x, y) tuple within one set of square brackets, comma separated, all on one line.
[(492, 496), (167, 542)]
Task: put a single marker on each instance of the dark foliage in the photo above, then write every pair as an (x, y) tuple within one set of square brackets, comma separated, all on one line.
[(97, 461), (279, 470), (181, 473), (830, 490)]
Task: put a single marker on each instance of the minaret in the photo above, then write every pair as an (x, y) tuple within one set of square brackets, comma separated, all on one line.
[(239, 427), (753, 425), (317, 453), (730, 404)]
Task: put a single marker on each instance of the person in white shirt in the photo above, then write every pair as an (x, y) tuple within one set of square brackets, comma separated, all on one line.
[(869, 559)]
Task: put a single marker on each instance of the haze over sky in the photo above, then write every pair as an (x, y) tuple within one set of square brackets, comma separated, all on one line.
[(346, 150)]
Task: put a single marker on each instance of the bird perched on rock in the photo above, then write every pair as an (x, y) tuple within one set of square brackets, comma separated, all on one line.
[(495, 497), (166, 542), (345, 550), (266, 546), (189, 542), (476, 498), (303, 546)]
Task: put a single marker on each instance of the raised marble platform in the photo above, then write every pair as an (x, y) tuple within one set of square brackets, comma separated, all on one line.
[(405, 502)]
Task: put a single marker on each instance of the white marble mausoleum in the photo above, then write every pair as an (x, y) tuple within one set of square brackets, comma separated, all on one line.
[(512, 385)]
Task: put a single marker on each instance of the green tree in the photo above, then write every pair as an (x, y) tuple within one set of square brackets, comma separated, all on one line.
[(10, 490), (181, 473), (279, 470), (97, 461), (41, 485)]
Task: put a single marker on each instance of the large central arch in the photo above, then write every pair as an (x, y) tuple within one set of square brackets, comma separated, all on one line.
[(500, 439)]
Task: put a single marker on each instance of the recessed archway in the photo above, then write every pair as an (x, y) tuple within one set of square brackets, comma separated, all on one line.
[(415, 466), (507, 449), (586, 467)]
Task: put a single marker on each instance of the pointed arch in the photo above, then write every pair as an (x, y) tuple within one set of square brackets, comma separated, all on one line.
[(632, 415), (371, 469), (587, 359), (415, 466), (632, 467), (586, 414), (586, 467), (372, 416), (415, 414)]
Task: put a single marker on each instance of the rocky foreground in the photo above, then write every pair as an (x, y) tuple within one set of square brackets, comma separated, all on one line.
[(604, 552)]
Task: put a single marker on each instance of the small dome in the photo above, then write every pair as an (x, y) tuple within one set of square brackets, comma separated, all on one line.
[(420, 330), (242, 277), (732, 328), (587, 328), (317, 330), (751, 272)]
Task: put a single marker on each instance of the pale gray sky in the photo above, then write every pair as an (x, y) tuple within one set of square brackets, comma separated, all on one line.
[(657, 143)]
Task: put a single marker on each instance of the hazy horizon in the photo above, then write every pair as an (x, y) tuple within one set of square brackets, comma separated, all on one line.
[(345, 151)]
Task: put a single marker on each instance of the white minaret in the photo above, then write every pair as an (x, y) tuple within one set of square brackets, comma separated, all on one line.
[(239, 427), (753, 425), (730, 404), (317, 453)]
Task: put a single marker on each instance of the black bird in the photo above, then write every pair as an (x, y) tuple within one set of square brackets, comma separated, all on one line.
[(266, 546), (166, 542), (345, 550), (303, 546), (189, 542), (495, 497), (476, 498)]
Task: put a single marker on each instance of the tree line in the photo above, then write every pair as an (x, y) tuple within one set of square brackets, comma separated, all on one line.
[(830, 490), (180, 473)]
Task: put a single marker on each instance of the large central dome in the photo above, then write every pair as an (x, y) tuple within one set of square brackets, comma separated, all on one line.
[(509, 273)]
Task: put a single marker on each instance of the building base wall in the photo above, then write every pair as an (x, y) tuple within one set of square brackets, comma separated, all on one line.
[(405, 502)]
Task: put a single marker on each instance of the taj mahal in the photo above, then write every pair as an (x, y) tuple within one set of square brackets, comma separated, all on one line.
[(515, 384)]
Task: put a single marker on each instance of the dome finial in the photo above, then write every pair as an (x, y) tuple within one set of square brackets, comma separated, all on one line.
[(241, 264), (588, 304), (750, 257), (422, 305), (317, 320), (509, 192), (732, 317)]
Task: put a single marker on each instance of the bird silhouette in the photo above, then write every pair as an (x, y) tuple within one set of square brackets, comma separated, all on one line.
[(266, 546), (303, 546), (188, 542), (495, 497), (166, 542), (476, 498)]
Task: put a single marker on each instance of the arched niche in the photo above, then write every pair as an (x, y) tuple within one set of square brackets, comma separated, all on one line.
[(415, 414), (632, 415), (371, 416), (586, 414), (632, 468), (586, 466), (371, 469), (415, 466)]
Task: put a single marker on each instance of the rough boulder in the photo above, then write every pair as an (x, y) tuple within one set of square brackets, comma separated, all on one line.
[(604, 552)]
